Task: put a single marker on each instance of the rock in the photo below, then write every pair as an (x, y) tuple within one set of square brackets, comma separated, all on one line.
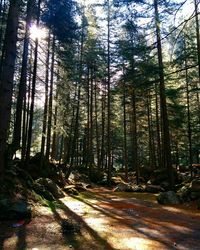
[(123, 187), (138, 188), (51, 186), (165, 185), (161, 175), (184, 194), (194, 195), (153, 189), (168, 198), (21, 209), (14, 210), (80, 187), (41, 190), (71, 189), (115, 180), (195, 186)]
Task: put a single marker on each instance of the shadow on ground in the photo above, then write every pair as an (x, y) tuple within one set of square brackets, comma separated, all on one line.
[(108, 221)]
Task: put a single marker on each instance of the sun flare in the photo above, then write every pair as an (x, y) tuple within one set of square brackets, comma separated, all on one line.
[(37, 32)]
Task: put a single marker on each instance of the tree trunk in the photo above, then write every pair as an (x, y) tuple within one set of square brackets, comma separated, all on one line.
[(30, 130), (134, 136), (159, 152), (76, 124), (54, 138), (103, 105), (96, 125), (2, 31), (26, 113), (50, 113), (163, 105), (6, 77), (22, 84), (45, 114), (75, 135), (188, 113), (109, 162), (125, 133), (91, 150)]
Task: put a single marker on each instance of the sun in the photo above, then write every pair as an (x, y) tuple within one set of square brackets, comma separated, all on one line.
[(37, 32)]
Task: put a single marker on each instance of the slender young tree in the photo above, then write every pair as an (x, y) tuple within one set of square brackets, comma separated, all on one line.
[(45, 114), (50, 106), (35, 64)]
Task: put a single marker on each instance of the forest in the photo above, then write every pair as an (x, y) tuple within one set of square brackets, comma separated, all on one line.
[(98, 94)]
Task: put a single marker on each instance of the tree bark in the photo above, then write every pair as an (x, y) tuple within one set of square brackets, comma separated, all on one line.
[(50, 113), (189, 128), (35, 64), (22, 84), (45, 114), (134, 136), (163, 105), (54, 138), (96, 125), (109, 162), (7, 76), (125, 132)]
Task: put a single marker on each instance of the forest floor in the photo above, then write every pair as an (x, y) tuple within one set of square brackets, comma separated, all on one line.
[(107, 220)]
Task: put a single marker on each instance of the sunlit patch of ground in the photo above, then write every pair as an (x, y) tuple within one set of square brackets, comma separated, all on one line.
[(108, 221)]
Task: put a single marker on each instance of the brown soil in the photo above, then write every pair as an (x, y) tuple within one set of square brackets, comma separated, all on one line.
[(109, 221)]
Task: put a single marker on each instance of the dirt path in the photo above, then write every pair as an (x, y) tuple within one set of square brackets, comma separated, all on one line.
[(109, 221)]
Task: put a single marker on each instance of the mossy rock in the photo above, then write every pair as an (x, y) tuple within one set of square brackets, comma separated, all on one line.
[(36, 198), (161, 175), (41, 190), (184, 194), (168, 198), (51, 186)]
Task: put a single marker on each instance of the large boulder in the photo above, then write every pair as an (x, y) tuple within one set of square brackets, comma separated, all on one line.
[(19, 209), (161, 175), (51, 186), (168, 198), (184, 194), (41, 190)]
